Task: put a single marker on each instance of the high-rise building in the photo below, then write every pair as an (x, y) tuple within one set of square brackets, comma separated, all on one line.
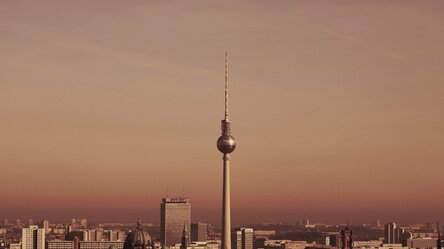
[(226, 144), (30, 222), (174, 214), (395, 235), (243, 238), (236, 239), (45, 225), (389, 233), (199, 231), (400, 236), (33, 238)]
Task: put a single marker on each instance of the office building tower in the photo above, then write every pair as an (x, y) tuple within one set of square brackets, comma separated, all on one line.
[(243, 238), (30, 222), (346, 238), (236, 239), (400, 236), (226, 144), (199, 231), (18, 223), (33, 238), (45, 225), (395, 235), (389, 233), (438, 240), (174, 213)]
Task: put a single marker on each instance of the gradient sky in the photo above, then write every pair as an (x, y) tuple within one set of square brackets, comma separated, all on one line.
[(337, 107)]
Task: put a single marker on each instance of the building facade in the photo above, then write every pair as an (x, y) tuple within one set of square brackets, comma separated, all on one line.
[(100, 244), (199, 231), (174, 214), (57, 244), (389, 233), (33, 238), (242, 238)]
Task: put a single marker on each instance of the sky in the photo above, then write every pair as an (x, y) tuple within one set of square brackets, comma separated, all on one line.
[(336, 106)]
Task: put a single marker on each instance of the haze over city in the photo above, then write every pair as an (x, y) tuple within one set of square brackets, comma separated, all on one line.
[(108, 106)]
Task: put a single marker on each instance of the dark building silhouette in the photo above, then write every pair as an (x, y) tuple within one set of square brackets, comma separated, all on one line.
[(389, 233), (336, 240), (185, 240), (438, 241), (346, 238)]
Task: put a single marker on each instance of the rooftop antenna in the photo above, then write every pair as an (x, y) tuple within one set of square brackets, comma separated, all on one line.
[(226, 85)]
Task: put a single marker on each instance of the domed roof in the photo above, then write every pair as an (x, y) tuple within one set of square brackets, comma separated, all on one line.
[(137, 239)]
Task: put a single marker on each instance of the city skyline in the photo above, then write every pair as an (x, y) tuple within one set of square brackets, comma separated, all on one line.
[(337, 108)]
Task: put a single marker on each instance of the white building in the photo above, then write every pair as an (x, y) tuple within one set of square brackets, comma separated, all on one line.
[(33, 238)]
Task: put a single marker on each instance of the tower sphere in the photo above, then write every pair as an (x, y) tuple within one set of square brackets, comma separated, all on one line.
[(226, 144)]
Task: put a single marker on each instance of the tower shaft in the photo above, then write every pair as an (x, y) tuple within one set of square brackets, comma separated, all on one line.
[(226, 208)]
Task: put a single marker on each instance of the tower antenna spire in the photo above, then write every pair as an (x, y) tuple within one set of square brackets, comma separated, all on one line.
[(226, 85)]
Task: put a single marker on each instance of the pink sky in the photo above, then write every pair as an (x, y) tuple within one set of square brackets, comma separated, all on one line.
[(336, 106)]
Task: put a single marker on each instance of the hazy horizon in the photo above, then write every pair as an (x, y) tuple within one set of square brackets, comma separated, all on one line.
[(336, 107)]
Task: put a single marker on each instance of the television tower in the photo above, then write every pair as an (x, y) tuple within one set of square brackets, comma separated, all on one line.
[(226, 144)]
